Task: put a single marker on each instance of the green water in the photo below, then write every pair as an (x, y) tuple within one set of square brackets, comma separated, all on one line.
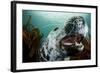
[(46, 21)]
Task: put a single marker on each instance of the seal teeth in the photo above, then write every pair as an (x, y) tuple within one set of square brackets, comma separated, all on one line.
[(67, 43)]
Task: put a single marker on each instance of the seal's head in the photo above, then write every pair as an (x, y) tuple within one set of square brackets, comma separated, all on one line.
[(74, 29)]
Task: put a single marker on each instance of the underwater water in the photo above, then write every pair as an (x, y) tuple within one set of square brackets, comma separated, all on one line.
[(46, 21)]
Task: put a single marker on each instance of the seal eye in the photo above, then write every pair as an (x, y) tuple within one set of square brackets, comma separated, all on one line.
[(55, 28)]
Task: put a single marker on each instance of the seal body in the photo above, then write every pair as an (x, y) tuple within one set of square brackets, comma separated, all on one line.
[(61, 43)]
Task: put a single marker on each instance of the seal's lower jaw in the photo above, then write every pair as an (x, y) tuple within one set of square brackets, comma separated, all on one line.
[(72, 44)]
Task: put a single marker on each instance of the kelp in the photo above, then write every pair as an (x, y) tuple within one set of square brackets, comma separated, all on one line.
[(31, 42)]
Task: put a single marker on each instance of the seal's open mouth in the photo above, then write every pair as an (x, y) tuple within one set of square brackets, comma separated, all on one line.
[(71, 40), (72, 44)]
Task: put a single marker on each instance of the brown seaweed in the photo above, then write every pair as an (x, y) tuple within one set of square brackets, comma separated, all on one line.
[(31, 42)]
